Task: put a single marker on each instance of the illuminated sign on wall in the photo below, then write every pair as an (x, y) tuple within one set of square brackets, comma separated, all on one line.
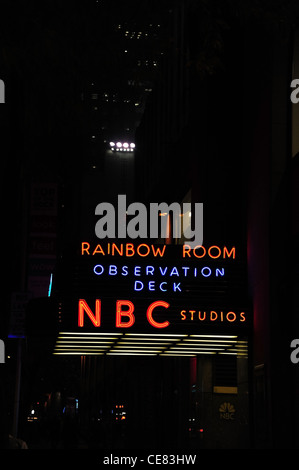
[(143, 287), (143, 249), (125, 316)]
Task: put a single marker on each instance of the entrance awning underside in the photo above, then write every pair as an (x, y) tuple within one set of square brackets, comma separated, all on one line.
[(137, 344)]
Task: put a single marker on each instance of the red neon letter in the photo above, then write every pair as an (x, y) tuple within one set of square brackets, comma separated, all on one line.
[(229, 254), (242, 315), (204, 251), (186, 250), (158, 251), (127, 313), (98, 249), (83, 307), (158, 303), (147, 249), (85, 248), (130, 249), (233, 318), (219, 251)]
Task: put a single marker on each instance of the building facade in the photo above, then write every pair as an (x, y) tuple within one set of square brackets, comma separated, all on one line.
[(204, 94)]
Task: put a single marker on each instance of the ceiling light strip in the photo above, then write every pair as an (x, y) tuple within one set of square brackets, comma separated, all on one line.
[(74, 353), (135, 350), (231, 342), (145, 343), (129, 346), (178, 355), (155, 335), (186, 353), (88, 334), (91, 348), (83, 341), (212, 336)]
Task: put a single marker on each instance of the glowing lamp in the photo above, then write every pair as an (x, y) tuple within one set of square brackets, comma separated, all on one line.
[(122, 146)]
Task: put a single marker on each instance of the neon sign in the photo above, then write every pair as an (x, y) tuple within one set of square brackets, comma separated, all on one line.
[(95, 319), (158, 271), (133, 287), (213, 316), (113, 270), (144, 250), (125, 318)]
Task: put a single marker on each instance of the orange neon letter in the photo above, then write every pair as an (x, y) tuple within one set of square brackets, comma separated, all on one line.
[(158, 303), (211, 248), (242, 315), (230, 253), (130, 249), (158, 251), (186, 250), (98, 249), (127, 313), (147, 249), (204, 251), (83, 307), (231, 319), (85, 248)]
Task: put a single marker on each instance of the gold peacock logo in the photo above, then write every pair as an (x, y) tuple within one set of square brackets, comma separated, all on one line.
[(227, 411)]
